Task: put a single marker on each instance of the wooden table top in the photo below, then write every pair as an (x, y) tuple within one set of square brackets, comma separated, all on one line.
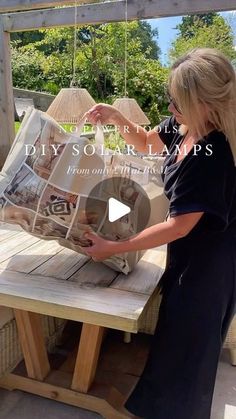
[(43, 277)]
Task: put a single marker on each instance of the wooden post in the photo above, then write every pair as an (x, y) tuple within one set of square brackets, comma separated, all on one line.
[(7, 129), (87, 358), (18, 5), (109, 11), (31, 337)]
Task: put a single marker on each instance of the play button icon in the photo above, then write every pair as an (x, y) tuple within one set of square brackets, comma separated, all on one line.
[(116, 210)]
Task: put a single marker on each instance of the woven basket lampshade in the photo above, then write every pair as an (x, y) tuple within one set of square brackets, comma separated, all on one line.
[(131, 110), (70, 104)]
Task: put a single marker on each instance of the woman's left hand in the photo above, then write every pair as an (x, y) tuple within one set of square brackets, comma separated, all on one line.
[(101, 249)]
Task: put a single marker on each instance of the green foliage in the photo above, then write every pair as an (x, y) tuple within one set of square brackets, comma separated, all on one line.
[(114, 140), (25, 38), (146, 84), (27, 71), (17, 127), (148, 37), (43, 60), (190, 23), (215, 32), (46, 63)]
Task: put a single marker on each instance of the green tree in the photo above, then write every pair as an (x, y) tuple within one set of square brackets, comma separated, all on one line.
[(24, 38), (28, 69), (190, 23), (203, 34), (100, 63), (148, 37)]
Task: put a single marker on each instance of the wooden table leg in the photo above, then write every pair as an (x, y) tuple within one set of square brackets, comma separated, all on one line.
[(30, 331), (87, 357), (32, 342)]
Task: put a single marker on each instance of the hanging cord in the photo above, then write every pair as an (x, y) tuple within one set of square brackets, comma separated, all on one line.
[(73, 81), (126, 44)]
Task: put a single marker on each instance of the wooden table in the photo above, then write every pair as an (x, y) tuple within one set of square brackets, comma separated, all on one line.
[(39, 277)]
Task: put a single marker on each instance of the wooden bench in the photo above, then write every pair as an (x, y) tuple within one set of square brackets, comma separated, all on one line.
[(39, 277)]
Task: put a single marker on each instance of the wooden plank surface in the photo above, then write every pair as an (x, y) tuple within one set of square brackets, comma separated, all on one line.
[(16, 244), (93, 275), (70, 286), (13, 5), (61, 264), (89, 292), (146, 274), (106, 307), (31, 257), (114, 11), (6, 234)]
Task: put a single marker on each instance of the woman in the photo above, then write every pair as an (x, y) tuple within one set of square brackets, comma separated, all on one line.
[(198, 285)]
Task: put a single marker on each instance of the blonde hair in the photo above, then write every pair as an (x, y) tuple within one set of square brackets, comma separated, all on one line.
[(206, 76)]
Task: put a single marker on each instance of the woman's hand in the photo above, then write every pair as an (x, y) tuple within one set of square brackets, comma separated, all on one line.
[(101, 249), (106, 114), (132, 134)]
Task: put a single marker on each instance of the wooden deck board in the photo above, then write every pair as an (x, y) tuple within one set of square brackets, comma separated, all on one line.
[(6, 234), (30, 258), (94, 274), (145, 276), (62, 264), (16, 244)]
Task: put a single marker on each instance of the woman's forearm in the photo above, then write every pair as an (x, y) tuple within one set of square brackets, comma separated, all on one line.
[(153, 236), (132, 133)]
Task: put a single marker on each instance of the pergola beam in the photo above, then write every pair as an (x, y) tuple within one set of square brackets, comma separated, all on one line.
[(110, 12), (6, 95), (17, 5)]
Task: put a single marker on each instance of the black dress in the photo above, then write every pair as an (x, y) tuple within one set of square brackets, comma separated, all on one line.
[(198, 285)]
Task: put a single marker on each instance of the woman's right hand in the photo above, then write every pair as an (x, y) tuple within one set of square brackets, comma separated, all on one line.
[(106, 114)]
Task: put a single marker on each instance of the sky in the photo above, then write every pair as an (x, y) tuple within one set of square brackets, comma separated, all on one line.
[(167, 33)]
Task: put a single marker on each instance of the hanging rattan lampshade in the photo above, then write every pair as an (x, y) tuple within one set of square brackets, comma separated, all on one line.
[(131, 110), (70, 104)]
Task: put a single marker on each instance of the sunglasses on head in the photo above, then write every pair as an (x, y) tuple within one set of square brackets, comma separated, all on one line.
[(171, 100)]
